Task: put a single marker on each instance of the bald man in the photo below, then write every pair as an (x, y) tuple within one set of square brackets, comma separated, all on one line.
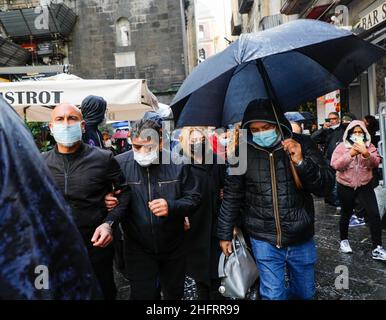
[(85, 174)]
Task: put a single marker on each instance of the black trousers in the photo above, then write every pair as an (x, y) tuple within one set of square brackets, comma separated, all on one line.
[(209, 292), (102, 263), (365, 195), (149, 274)]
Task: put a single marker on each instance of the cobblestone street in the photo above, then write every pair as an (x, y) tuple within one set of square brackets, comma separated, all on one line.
[(367, 277)]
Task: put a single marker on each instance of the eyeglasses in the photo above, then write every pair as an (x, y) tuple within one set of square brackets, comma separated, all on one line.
[(333, 118), (147, 147)]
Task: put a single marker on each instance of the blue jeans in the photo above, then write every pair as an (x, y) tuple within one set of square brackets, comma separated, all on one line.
[(272, 263)]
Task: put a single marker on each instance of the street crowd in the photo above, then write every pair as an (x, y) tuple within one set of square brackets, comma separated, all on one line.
[(165, 210)]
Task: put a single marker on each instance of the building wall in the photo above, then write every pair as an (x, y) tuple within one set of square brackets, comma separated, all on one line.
[(155, 49), (260, 9), (18, 4)]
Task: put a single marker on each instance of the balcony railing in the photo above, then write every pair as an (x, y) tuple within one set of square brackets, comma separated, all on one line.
[(294, 6)]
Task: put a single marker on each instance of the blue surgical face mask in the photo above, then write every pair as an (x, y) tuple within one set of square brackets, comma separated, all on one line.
[(224, 141), (67, 135), (265, 138)]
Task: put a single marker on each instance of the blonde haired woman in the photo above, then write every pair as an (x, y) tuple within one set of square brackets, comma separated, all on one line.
[(202, 243)]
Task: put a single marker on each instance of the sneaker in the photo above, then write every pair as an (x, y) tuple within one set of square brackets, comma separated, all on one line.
[(356, 222), (345, 247), (362, 220), (379, 253)]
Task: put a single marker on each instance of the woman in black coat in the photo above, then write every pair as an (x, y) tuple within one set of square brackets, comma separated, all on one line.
[(203, 249)]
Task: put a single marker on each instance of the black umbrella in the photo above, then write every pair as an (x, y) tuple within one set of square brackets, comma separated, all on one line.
[(292, 63)]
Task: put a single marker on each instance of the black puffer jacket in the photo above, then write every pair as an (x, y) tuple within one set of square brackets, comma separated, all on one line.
[(143, 230), (274, 210)]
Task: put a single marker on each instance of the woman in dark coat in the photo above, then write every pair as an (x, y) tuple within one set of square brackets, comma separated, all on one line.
[(203, 249)]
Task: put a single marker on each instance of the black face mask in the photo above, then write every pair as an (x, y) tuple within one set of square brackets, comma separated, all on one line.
[(197, 147)]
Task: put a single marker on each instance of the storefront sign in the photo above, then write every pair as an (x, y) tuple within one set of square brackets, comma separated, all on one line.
[(373, 18)]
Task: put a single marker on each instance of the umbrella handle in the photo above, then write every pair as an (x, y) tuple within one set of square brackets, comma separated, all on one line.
[(295, 175)]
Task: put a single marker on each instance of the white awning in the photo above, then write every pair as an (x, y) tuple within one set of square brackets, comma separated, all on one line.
[(34, 100)]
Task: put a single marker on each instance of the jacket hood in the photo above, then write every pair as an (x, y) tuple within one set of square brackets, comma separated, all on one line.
[(93, 110), (262, 110), (350, 127)]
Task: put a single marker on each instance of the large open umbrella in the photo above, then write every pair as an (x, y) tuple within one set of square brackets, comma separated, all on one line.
[(292, 63)]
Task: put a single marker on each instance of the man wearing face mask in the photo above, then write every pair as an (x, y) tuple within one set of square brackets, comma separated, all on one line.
[(85, 175), (152, 211), (329, 136), (277, 215)]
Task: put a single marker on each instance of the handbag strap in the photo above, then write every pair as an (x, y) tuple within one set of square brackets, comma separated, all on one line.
[(221, 264), (241, 238)]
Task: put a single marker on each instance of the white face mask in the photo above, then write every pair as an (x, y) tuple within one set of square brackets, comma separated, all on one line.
[(357, 138), (335, 126), (146, 159)]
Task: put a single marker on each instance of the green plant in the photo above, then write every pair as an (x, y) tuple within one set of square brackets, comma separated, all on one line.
[(40, 134)]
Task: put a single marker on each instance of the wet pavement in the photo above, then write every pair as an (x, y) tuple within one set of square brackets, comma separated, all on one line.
[(366, 277)]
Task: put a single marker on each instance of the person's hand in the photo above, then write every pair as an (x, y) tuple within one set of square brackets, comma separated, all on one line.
[(226, 247), (186, 224), (361, 149), (326, 125), (111, 201), (294, 149), (221, 194), (102, 236), (354, 152), (159, 207)]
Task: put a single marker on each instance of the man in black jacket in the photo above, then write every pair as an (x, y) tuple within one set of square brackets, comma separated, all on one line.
[(329, 136), (276, 215), (158, 197), (85, 175)]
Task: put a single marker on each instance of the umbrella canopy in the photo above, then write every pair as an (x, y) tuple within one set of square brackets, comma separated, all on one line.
[(120, 135), (34, 100), (295, 116), (292, 63)]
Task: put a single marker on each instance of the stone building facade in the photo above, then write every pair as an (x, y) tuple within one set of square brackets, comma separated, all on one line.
[(120, 39), (130, 39)]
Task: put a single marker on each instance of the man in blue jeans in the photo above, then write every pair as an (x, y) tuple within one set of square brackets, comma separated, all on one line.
[(276, 213)]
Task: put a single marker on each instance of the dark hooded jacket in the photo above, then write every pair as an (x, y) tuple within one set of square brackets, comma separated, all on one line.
[(93, 110), (36, 226), (330, 138), (144, 231), (273, 209)]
